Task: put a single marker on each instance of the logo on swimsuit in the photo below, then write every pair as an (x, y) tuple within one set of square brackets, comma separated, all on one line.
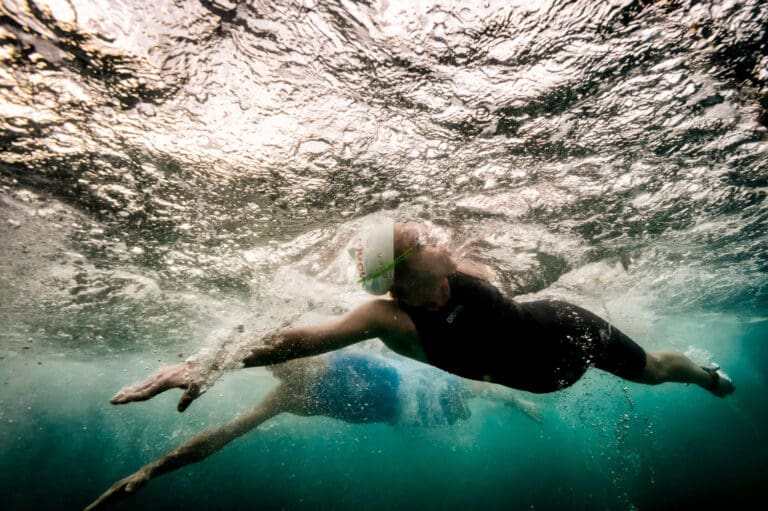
[(454, 313)]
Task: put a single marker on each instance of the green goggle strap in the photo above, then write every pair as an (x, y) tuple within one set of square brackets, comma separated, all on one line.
[(384, 269)]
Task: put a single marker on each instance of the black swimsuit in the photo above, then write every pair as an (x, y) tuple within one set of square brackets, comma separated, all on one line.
[(537, 346)]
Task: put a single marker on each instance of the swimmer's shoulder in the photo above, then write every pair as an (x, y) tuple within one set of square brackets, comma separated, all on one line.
[(395, 328)]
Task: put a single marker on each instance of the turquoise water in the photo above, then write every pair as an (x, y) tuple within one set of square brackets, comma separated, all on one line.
[(603, 444), (169, 170)]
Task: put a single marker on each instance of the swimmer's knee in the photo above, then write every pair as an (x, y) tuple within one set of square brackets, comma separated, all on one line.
[(654, 371)]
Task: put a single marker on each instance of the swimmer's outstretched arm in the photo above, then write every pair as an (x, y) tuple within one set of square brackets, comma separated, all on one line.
[(377, 318), (197, 448)]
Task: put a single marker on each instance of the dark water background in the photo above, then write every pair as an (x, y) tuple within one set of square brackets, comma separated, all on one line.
[(170, 169)]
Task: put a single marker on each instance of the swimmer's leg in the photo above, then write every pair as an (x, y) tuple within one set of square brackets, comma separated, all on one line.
[(673, 366), (617, 353), (613, 351)]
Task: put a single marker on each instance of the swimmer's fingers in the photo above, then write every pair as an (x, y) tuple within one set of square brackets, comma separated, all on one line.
[(170, 377), (119, 491)]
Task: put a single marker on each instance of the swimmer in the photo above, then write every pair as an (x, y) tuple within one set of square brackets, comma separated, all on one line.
[(434, 309), (352, 387)]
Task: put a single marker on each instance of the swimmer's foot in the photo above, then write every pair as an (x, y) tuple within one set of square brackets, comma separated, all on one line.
[(721, 383)]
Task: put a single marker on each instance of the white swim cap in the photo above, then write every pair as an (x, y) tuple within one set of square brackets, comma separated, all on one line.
[(375, 256)]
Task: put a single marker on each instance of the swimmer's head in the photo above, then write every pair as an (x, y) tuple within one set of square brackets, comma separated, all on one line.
[(421, 278), (375, 256), (392, 255)]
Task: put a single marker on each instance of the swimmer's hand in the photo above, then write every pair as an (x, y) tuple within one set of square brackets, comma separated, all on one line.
[(177, 376), (120, 490)]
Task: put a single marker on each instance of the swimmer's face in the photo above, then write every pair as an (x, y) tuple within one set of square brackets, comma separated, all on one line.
[(421, 280), (425, 291)]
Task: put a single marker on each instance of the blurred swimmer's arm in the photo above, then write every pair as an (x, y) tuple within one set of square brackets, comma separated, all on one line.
[(504, 395), (198, 448), (526, 406)]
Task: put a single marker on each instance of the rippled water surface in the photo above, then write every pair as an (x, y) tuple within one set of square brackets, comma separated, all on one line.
[(171, 169)]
